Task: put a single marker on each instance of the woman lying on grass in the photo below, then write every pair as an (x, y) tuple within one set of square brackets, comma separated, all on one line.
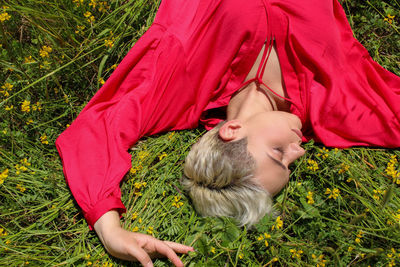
[(273, 70)]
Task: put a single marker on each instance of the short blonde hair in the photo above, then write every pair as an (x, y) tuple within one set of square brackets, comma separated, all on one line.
[(218, 176)]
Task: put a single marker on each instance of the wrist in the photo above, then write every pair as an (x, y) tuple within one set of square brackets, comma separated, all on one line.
[(106, 223)]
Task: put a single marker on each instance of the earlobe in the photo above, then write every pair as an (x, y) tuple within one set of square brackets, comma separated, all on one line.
[(231, 130)]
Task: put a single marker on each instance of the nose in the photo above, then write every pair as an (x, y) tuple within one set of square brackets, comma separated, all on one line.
[(295, 151)]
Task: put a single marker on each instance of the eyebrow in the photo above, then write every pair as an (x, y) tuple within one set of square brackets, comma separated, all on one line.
[(277, 162)]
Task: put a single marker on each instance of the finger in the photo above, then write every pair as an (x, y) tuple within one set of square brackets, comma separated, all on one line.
[(180, 248), (138, 253), (165, 250)]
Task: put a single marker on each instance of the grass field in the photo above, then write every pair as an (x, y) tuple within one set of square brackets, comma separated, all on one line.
[(341, 207)]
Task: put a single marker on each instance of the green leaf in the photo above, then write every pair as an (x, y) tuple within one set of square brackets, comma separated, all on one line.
[(309, 210)]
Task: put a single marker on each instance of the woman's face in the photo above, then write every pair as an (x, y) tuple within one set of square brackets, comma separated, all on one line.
[(274, 140)]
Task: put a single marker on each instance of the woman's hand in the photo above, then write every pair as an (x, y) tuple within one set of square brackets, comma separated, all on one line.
[(132, 246)]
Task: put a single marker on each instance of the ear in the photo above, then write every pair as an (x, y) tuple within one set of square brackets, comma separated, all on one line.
[(231, 130)]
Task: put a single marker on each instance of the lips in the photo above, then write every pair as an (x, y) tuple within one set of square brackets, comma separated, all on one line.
[(298, 132)]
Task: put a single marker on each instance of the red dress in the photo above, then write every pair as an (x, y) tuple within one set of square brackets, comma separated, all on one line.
[(196, 55)]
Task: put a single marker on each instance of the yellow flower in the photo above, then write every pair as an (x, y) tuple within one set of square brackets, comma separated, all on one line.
[(278, 223), (177, 203), (44, 52), (360, 233), (93, 3), (109, 43), (37, 106), (344, 168), (296, 253), (7, 87), (324, 153), (332, 193), (391, 169), (77, 2), (79, 29), (133, 170), (29, 60), (89, 16), (171, 135), (143, 154), (135, 229), (25, 162), (101, 81), (30, 121), (312, 165), (43, 139), (20, 168), (4, 16), (320, 262), (134, 215), (359, 236), (266, 243), (350, 249), (310, 199), (150, 230), (163, 155), (3, 232), (103, 6), (377, 193), (5, 93), (389, 19), (9, 107), (25, 106), (212, 250), (240, 256), (20, 188), (3, 175)]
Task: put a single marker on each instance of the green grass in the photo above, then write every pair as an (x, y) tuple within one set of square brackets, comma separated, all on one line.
[(40, 224)]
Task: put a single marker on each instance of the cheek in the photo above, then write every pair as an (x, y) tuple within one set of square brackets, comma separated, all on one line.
[(271, 181)]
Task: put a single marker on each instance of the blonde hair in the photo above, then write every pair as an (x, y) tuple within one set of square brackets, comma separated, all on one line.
[(218, 176)]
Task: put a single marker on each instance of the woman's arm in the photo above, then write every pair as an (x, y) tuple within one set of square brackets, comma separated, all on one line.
[(128, 245)]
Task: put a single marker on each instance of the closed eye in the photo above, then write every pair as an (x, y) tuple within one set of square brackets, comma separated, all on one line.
[(278, 162)]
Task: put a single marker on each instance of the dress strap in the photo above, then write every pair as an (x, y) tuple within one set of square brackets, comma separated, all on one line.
[(269, 42)]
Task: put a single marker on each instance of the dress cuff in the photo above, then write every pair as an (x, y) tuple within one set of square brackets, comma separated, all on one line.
[(101, 207)]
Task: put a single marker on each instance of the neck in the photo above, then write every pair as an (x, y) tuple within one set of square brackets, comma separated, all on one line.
[(249, 101)]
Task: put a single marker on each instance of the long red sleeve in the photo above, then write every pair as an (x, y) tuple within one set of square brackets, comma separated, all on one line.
[(94, 148)]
